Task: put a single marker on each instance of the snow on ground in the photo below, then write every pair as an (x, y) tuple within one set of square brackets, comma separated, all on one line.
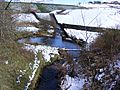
[(34, 69), (95, 5), (72, 83), (95, 17), (76, 83), (30, 17), (28, 28), (46, 51), (114, 6), (44, 16), (22, 73), (80, 34), (117, 64), (55, 11), (25, 18)]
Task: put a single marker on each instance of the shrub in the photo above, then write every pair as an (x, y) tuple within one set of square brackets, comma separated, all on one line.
[(108, 42), (100, 59)]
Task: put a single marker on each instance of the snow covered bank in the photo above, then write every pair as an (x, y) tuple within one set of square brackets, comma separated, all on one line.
[(46, 51), (80, 34)]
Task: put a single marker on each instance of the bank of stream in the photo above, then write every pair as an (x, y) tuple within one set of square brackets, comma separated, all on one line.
[(50, 78)]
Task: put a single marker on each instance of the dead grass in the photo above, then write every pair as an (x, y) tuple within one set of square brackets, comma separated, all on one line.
[(108, 42), (12, 57), (17, 59)]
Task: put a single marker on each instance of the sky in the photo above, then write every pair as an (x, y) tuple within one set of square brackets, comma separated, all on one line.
[(72, 2)]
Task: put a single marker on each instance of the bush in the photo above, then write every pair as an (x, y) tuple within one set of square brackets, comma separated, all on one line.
[(108, 42), (100, 59)]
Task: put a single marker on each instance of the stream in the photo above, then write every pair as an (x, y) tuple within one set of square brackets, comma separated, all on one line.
[(49, 79), (57, 41)]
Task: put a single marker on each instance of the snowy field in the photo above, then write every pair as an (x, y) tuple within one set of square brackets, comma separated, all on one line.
[(104, 16), (98, 16)]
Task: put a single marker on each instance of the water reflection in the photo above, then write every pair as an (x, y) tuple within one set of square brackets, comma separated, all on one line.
[(56, 41)]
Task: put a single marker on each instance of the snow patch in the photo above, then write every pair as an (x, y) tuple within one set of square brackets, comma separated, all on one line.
[(72, 83), (25, 18), (94, 5), (6, 62), (34, 69), (22, 72), (29, 29), (117, 64), (46, 50), (99, 77)]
